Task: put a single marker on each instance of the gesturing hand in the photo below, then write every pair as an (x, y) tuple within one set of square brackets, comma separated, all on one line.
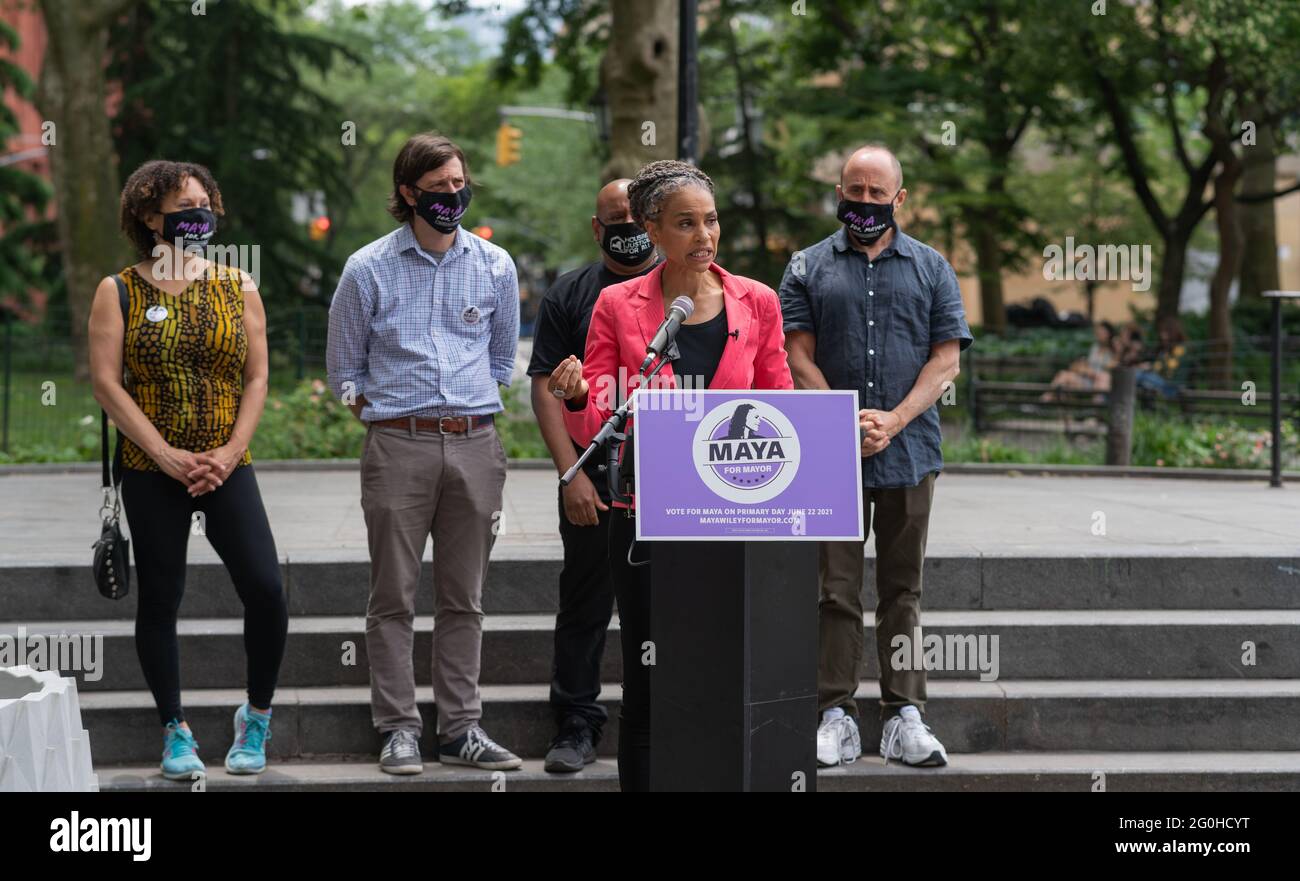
[(566, 381)]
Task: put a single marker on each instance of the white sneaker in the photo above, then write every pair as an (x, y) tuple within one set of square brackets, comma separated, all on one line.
[(908, 739), (850, 741), (830, 739)]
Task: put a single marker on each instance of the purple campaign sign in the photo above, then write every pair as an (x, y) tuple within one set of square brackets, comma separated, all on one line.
[(747, 465)]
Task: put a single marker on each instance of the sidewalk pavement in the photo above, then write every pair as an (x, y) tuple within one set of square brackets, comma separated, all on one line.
[(52, 519)]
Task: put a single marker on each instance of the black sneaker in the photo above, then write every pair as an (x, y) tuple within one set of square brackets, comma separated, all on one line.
[(476, 749), (572, 749), (401, 753)]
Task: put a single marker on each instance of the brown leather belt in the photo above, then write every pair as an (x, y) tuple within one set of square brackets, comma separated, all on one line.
[(444, 425)]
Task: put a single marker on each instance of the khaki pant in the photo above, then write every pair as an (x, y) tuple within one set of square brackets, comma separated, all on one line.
[(900, 518), (414, 484)]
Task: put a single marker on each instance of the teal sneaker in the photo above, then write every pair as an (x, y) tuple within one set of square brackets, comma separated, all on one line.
[(248, 753), (180, 758)]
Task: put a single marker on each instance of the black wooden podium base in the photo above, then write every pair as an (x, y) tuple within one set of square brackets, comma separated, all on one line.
[(734, 686)]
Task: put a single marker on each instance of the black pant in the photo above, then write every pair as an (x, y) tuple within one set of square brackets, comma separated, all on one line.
[(632, 589), (160, 512), (586, 604)]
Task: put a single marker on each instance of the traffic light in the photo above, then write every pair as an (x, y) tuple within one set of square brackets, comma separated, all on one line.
[(509, 141), (483, 232), (320, 227)]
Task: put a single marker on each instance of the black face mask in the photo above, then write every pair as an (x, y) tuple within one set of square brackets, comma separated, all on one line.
[(626, 243), (193, 226), (866, 221), (442, 211)]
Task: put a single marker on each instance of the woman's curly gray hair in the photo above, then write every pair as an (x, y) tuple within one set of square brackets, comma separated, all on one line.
[(655, 182)]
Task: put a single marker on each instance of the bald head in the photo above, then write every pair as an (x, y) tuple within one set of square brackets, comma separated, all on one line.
[(872, 164), (611, 202)]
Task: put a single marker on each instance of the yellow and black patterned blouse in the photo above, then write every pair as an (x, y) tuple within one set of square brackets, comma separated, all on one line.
[(184, 356)]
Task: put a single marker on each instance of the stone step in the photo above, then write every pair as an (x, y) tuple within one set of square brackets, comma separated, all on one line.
[(977, 772), (518, 649), (969, 717), (527, 584)]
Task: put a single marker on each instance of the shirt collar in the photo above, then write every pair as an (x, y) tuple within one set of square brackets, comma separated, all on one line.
[(406, 240), (903, 244)]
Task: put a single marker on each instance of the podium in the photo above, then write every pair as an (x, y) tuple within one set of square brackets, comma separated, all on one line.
[(734, 490), (733, 693)]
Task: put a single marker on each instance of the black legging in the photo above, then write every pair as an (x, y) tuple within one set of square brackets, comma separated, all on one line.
[(159, 512), (632, 591)]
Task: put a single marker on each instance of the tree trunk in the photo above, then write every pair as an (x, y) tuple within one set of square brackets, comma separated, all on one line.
[(639, 73), (1172, 265), (753, 172), (1230, 250), (1258, 220), (71, 94), (988, 268), (988, 248)]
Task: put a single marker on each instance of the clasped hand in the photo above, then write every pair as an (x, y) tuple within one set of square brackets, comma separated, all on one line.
[(878, 427), (200, 472)]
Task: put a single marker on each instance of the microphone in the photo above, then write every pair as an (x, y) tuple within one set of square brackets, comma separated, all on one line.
[(735, 334), (679, 311)]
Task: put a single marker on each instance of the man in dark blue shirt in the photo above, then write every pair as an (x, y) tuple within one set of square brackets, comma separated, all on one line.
[(872, 309)]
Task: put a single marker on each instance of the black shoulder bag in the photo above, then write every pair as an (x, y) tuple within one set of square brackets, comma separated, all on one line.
[(112, 564)]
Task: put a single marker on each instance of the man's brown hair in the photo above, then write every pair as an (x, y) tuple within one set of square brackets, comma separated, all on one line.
[(421, 154)]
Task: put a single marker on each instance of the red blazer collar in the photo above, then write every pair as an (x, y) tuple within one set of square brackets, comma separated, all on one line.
[(651, 286), (650, 315)]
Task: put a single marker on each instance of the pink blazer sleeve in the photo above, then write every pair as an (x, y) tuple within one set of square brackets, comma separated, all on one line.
[(771, 368), (600, 369)]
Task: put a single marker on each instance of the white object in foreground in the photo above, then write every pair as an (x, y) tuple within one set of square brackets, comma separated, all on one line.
[(43, 747)]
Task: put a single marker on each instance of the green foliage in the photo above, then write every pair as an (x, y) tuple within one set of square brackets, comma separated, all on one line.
[(427, 75), (1159, 441), (1169, 442), (1040, 341), (520, 435), (25, 236), (307, 423), (990, 450), (232, 89)]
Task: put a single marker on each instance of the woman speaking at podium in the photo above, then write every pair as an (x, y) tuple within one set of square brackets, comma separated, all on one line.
[(732, 340)]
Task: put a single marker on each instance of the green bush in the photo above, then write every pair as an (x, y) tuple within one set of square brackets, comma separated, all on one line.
[(974, 448), (1168, 442), (78, 441), (517, 426), (307, 423)]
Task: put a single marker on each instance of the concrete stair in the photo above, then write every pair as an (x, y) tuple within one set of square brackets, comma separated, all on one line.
[(1129, 667), (979, 772)]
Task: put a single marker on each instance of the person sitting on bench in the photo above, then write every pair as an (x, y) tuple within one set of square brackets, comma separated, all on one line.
[(1093, 372), (1165, 370)]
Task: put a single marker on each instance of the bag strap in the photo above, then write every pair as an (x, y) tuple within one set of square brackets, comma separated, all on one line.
[(111, 477)]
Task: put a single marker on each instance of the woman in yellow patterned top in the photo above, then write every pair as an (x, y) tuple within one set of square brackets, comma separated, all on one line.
[(182, 371)]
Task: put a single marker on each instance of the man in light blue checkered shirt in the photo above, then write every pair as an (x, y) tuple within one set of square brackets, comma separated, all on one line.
[(423, 328)]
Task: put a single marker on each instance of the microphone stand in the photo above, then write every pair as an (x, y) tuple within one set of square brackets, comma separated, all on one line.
[(612, 436)]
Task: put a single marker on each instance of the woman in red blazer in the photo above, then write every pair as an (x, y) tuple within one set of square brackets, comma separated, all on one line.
[(733, 340)]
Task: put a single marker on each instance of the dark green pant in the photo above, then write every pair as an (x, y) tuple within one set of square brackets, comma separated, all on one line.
[(900, 518)]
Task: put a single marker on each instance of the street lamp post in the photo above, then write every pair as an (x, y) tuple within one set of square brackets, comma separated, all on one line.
[(1275, 478)]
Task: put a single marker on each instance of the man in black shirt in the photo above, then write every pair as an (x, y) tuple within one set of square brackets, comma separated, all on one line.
[(586, 596)]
